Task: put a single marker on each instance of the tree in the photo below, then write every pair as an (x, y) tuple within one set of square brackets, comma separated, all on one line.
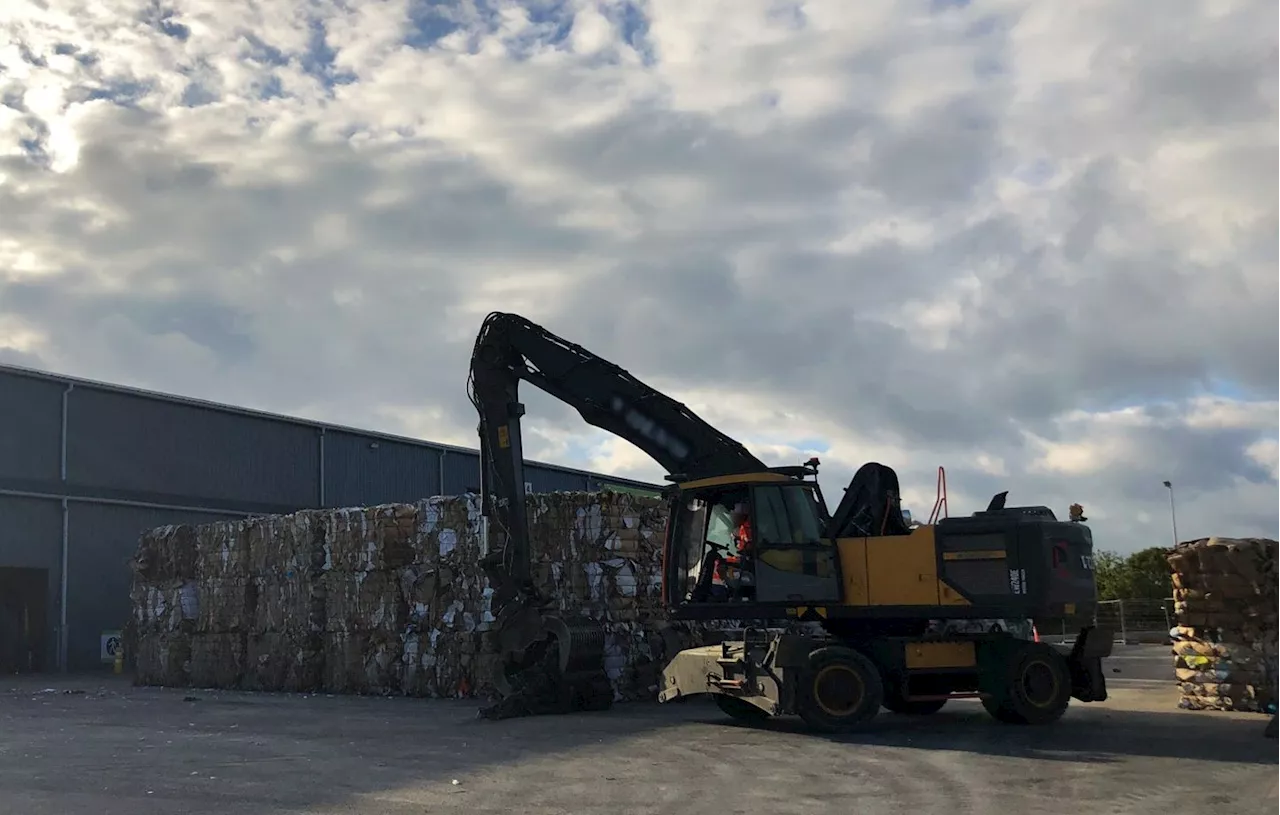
[(1109, 572), (1143, 575), (1149, 574)]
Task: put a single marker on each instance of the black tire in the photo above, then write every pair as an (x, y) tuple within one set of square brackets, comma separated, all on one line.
[(1033, 686), (740, 710), (894, 703), (840, 690)]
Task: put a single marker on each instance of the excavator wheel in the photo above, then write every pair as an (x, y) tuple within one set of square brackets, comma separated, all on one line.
[(740, 710), (839, 691), (1033, 686)]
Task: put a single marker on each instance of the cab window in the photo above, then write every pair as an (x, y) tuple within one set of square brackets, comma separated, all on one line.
[(691, 524), (786, 515), (719, 528)]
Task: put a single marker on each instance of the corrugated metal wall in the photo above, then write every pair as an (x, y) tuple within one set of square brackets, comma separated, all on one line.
[(126, 442), (31, 413), (544, 480), (359, 470), (462, 474), (135, 461)]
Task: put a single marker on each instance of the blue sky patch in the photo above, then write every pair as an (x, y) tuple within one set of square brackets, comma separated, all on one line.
[(819, 446), (264, 52), (161, 19), (551, 24), (430, 21), (122, 92), (1232, 390), (197, 95), (272, 88), (319, 59), (634, 25)]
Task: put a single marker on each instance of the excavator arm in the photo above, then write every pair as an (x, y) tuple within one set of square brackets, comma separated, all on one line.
[(548, 662)]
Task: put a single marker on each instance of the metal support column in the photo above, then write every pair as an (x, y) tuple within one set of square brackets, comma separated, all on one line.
[(440, 474), (66, 536), (322, 495)]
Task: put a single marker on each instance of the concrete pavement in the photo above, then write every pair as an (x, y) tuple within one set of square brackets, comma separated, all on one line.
[(113, 749), (1148, 662)]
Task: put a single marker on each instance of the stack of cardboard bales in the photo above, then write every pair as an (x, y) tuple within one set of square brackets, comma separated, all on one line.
[(386, 599), (165, 605), (210, 600), (1225, 644)]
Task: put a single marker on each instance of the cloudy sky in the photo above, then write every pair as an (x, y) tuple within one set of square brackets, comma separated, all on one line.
[(1034, 242)]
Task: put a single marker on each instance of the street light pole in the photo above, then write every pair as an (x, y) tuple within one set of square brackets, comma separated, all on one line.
[(1173, 513)]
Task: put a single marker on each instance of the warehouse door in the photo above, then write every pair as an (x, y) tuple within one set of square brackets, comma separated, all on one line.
[(23, 606)]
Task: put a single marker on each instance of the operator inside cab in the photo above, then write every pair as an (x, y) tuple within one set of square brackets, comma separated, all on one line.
[(740, 518), (734, 572)]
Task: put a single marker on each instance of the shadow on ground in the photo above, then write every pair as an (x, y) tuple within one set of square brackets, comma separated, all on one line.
[(1095, 735)]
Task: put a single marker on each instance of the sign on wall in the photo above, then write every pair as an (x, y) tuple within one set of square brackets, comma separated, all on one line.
[(111, 645)]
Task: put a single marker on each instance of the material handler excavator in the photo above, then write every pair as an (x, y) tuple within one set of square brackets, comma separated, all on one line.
[(892, 612)]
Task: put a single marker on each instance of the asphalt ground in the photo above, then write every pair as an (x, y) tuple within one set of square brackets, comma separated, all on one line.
[(1154, 662), (100, 746)]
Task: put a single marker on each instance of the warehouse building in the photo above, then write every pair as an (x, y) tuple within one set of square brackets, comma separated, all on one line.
[(86, 467)]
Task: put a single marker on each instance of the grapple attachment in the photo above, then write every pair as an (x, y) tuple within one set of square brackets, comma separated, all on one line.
[(549, 664)]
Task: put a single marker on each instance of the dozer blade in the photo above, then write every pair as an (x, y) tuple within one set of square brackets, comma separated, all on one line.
[(549, 665)]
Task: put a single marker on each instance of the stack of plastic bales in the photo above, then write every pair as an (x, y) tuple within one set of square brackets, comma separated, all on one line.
[(1225, 643)]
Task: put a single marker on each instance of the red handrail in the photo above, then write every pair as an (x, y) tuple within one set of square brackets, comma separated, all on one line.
[(940, 505)]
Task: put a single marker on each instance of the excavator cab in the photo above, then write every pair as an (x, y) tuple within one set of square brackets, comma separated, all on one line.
[(785, 560)]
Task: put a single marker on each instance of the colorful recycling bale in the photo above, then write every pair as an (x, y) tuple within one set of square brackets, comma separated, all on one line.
[(1225, 643)]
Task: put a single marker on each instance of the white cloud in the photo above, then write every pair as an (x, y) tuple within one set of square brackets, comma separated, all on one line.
[(1021, 240), (1266, 452)]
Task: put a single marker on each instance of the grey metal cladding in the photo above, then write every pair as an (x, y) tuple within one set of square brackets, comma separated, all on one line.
[(461, 472), (30, 533), (543, 479), (101, 540), (362, 470), (132, 442), (30, 427)]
